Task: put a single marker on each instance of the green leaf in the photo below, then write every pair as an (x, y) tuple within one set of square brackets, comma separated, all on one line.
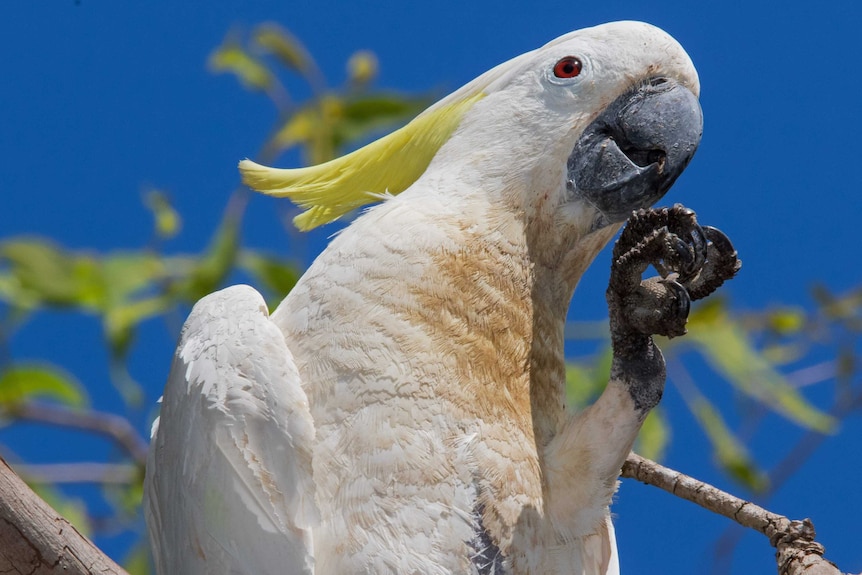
[(283, 45), (362, 68), (23, 382), (128, 497), (128, 279), (12, 293), (127, 274), (138, 560), (579, 384), (320, 121), (166, 219), (654, 436), (726, 346), (383, 108), (276, 275), (131, 391), (231, 57), (786, 320), (120, 321), (783, 354), (38, 272), (331, 123), (298, 129), (586, 381), (838, 308), (207, 274), (72, 508), (363, 117), (729, 451)]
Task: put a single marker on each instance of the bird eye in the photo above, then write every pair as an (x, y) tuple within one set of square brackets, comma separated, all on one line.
[(568, 67)]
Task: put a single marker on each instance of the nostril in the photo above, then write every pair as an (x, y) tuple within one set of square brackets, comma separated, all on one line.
[(656, 156), (658, 81), (644, 158)]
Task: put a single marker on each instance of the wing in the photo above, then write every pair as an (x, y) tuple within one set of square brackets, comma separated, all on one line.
[(228, 486), (600, 551)]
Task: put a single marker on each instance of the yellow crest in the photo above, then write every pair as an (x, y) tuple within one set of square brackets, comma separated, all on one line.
[(389, 165)]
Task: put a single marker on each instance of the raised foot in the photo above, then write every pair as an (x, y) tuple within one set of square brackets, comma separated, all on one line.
[(692, 262)]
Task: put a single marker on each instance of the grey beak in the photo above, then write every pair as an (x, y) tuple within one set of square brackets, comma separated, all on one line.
[(632, 153)]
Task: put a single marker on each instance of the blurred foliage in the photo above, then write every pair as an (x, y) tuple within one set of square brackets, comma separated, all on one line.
[(23, 382), (765, 356), (329, 121), (761, 354)]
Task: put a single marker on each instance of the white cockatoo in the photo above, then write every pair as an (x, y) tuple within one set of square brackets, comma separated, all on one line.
[(403, 410)]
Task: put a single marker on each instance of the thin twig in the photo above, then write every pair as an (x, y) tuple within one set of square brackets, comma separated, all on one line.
[(797, 552), (743, 512), (813, 374), (88, 472), (117, 428)]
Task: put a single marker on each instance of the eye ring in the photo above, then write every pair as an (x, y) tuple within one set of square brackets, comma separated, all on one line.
[(568, 67)]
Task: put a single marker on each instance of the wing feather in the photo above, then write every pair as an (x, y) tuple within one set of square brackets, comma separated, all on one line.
[(229, 486)]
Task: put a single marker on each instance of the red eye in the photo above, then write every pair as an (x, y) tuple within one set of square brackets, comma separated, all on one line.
[(568, 67)]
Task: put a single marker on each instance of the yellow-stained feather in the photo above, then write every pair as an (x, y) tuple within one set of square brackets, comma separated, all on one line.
[(386, 166)]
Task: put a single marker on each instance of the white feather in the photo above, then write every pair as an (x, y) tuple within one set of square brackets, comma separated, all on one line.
[(228, 486)]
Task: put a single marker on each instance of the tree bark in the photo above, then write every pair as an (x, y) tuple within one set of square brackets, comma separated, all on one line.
[(35, 540)]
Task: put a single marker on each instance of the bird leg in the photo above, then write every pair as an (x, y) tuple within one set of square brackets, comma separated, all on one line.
[(582, 462), (692, 262)]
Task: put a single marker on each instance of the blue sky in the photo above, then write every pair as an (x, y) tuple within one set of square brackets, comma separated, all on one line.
[(102, 99)]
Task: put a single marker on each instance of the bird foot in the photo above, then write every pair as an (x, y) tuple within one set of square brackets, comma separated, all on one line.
[(692, 262)]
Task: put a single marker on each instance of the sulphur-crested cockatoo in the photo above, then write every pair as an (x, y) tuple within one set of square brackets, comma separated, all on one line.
[(403, 410)]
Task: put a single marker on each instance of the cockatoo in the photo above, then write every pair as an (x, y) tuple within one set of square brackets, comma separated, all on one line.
[(403, 410)]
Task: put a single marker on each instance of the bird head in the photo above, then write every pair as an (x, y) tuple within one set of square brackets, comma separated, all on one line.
[(578, 133)]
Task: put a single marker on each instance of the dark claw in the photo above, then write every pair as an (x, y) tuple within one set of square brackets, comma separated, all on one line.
[(721, 265), (719, 239), (682, 300), (684, 252), (699, 244)]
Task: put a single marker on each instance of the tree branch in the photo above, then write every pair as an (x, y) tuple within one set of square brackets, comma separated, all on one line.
[(34, 539), (84, 472), (117, 428), (796, 550)]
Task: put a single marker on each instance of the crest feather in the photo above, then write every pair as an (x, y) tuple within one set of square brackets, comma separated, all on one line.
[(386, 166)]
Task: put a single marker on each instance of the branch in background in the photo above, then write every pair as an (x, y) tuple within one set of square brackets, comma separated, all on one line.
[(796, 550), (35, 539), (104, 473), (117, 428)]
